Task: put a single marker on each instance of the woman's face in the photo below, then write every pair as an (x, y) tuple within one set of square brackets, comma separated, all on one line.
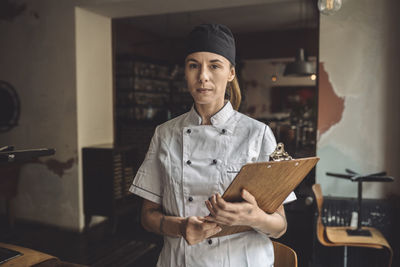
[(207, 75)]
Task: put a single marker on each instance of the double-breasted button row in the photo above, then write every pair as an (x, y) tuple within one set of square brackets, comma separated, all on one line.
[(188, 162), (189, 131)]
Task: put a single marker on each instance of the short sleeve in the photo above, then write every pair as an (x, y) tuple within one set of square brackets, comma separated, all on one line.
[(148, 180), (268, 146)]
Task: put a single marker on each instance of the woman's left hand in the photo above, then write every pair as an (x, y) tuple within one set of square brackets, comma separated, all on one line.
[(228, 213)]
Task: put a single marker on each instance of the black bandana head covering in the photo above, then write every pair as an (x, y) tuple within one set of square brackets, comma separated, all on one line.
[(214, 38)]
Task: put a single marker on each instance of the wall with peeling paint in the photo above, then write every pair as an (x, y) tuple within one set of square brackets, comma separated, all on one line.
[(359, 53), (60, 61), (37, 55)]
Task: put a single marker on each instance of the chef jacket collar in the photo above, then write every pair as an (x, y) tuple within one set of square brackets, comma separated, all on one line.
[(218, 119)]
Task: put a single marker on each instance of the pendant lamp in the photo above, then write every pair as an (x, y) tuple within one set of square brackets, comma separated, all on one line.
[(328, 7), (300, 67)]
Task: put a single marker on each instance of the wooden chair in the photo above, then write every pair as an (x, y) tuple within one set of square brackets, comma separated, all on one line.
[(336, 236), (284, 255), (33, 258)]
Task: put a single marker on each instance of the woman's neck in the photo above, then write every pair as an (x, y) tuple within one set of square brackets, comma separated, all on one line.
[(206, 111)]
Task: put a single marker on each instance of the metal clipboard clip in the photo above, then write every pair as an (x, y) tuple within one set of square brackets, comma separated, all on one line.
[(280, 154)]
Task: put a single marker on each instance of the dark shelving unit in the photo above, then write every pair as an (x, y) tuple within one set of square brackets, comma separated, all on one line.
[(108, 172)]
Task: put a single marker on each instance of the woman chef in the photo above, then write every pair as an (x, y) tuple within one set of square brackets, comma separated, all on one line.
[(193, 158)]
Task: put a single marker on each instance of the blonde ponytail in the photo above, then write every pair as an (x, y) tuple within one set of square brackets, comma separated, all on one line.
[(234, 92)]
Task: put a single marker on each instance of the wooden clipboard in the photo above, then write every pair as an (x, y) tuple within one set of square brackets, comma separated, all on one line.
[(269, 182)]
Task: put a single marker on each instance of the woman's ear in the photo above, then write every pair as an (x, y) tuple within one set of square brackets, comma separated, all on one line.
[(232, 74)]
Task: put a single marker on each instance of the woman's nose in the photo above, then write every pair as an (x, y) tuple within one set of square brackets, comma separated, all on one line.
[(204, 75)]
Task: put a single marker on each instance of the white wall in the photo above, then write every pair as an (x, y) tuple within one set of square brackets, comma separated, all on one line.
[(359, 49), (93, 82)]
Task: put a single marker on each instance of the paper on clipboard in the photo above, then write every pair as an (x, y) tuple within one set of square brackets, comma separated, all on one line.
[(269, 182)]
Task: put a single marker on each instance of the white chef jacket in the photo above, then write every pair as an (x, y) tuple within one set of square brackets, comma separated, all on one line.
[(187, 163)]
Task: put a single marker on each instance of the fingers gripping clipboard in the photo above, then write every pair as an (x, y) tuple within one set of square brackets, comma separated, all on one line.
[(269, 182)]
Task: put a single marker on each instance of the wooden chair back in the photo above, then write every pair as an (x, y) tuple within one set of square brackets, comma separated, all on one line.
[(284, 255), (319, 199)]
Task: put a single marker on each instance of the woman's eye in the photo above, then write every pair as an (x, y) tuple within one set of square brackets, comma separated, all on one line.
[(214, 66), (192, 66)]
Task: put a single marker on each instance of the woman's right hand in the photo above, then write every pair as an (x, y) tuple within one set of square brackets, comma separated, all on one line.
[(195, 229)]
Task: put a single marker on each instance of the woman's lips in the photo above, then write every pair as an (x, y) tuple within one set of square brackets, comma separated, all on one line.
[(203, 90)]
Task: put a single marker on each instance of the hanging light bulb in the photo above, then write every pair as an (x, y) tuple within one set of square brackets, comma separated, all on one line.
[(329, 7)]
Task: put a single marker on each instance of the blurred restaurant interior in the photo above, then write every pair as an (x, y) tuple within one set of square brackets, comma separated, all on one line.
[(83, 84)]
